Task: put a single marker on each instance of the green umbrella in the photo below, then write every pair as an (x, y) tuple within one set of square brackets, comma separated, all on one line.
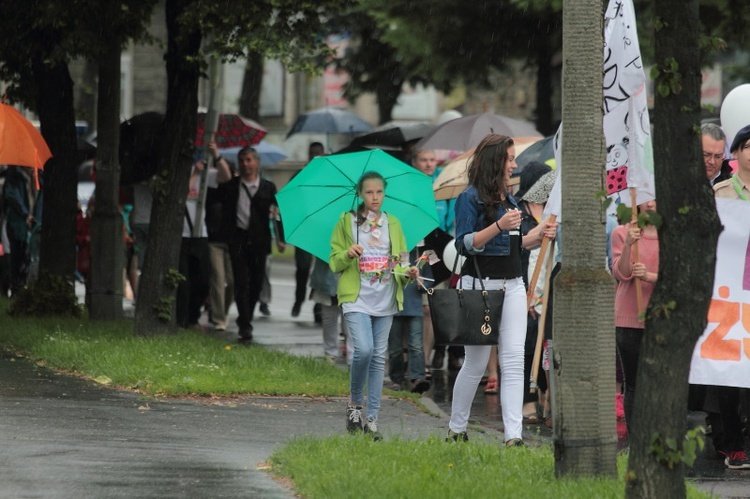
[(312, 202)]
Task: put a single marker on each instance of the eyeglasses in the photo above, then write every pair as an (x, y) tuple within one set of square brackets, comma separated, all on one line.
[(715, 157)]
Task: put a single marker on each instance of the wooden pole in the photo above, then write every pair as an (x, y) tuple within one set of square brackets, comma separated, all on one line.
[(634, 251), (542, 318), (538, 267)]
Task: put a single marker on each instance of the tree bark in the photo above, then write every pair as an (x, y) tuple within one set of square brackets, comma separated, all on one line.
[(583, 378), (107, 248), (251, 86), (54, 102), (155, 310), (676, 316)]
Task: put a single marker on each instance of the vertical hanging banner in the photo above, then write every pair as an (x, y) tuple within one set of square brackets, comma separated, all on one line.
[(722, 354), (627, 130)]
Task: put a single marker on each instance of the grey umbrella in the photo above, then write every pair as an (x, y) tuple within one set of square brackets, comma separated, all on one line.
[(465, 133), (329, 120)]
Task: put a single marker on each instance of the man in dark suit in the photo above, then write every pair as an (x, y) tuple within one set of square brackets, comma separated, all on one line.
[(248, 201)]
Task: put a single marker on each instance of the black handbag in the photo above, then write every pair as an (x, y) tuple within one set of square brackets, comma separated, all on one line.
[(466, 316)]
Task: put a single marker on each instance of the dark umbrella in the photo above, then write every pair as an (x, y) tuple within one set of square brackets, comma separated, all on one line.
[(85, 150), (140, 139), (541, 151), (396, 152), (393, 134)]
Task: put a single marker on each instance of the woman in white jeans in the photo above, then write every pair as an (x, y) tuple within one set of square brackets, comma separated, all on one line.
[(487, 232)]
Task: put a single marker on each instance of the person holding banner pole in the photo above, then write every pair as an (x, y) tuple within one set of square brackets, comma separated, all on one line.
[(727, 435), (629, 320)]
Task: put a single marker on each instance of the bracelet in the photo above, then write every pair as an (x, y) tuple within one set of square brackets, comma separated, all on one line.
[(498, 226), (216, 160)]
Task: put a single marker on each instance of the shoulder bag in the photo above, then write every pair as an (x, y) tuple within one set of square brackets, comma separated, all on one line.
[(466, 316)]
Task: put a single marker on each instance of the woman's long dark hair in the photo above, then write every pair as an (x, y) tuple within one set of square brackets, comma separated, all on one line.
[(368, 175), (486, 171)]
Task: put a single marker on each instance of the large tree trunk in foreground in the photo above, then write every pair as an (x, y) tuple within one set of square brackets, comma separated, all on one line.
[(155, 310), (583, 378), (676, 316), (107, 248), (54, 103)]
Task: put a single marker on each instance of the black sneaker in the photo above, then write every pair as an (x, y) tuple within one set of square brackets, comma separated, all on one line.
[(419, 385), (515, 442), (264, 309), (246, 336), (353, 418), (737, 460), (371, 428), (457, 437), (296, 308)]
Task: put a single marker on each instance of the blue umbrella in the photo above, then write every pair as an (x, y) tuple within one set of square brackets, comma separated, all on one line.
[(269, 153)]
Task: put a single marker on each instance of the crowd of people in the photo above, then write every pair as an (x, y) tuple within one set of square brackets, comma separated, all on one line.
[(379, 308)]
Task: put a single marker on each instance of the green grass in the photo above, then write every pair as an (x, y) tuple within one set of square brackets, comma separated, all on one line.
[(187, 363), (355, 466)]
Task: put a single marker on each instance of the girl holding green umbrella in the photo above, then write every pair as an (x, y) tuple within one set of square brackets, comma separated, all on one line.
[(368, 249)]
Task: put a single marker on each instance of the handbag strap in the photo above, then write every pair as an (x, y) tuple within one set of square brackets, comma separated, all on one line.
[(459, 285)]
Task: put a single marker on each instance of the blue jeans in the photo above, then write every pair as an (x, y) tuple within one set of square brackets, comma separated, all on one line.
[(370, 338), (411, 326)]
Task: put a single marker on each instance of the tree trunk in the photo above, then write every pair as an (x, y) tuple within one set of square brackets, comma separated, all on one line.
[(155, 310), (54, 102), (544, 88), (388, 92), (107, 258), (251, 86), (583, 378), (676, 316)]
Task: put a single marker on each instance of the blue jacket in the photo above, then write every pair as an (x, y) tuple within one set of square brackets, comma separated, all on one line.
[(470, 220)]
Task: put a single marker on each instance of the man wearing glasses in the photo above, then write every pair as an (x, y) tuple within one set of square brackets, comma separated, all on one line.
[(714, 142)]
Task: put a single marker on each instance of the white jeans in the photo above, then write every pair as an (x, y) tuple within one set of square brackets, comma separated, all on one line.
[(510, 352)]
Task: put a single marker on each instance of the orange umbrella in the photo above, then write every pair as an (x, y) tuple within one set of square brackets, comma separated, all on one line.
[(20, 143)]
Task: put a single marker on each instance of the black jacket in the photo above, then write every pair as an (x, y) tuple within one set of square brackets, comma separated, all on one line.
[(724, 174), (259, 230)]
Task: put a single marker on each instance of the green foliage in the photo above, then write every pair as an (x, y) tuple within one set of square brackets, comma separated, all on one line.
[(663, 309), (54, 31), (50, 295), (456, 44), (644, 218), (667, 451), (667, 76), (173, 278), (163, 308)]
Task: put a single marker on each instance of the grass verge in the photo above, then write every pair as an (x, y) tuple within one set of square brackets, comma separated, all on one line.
[(188, 363), (355, 466)]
